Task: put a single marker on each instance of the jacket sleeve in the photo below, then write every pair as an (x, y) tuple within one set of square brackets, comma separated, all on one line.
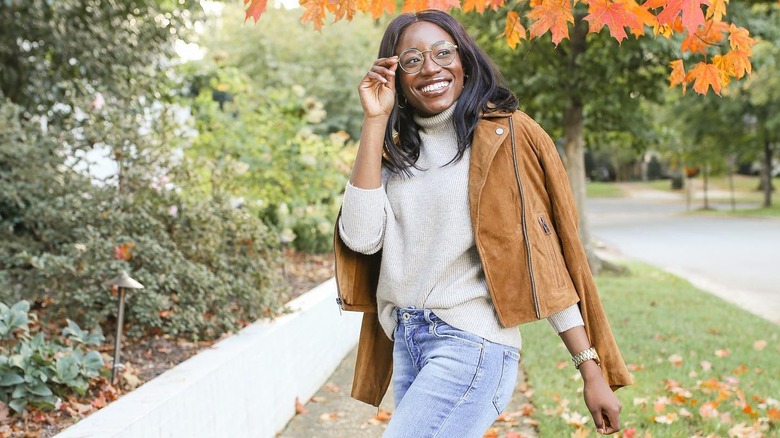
[(565, 220)]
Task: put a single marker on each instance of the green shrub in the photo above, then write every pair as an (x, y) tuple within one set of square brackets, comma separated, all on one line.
[(207, 267), (39, 373)]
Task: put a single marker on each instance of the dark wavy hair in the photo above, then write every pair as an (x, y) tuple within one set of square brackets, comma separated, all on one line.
[(484, 92)]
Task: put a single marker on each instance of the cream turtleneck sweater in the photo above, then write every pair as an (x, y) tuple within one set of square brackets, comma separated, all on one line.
[(423, 227)]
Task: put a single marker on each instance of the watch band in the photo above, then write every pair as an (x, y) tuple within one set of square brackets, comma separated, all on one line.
[(586, 355)]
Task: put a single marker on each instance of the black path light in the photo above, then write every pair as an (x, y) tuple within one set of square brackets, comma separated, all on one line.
[(122, 282)]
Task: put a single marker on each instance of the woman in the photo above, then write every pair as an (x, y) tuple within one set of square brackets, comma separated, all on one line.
[(457, 225)]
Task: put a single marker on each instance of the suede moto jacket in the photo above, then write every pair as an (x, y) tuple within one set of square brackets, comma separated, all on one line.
[(526, 230)]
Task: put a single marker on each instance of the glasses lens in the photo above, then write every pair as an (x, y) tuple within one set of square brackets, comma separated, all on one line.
[(411, 60), (443, 53)]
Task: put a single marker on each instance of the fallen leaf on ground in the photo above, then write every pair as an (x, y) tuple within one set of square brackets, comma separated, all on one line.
[(512, 434), (383, 415), (759, 345), (330, 416), (491, 433), (333, 388), (675, 360), (316, 399), (299, 408), (723, 352)]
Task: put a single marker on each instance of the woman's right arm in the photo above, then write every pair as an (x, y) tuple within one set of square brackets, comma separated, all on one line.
[(363, 214), (377, 96)]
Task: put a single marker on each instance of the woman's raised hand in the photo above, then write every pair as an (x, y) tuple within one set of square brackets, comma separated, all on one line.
[(377, 89)]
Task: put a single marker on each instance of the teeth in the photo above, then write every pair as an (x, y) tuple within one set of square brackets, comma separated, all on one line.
[(434, 87)]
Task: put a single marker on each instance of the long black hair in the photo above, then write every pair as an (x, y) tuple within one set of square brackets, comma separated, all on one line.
[(484, 91)]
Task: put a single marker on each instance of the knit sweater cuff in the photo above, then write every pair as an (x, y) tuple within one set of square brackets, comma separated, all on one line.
[(362, 222), (566, 319)]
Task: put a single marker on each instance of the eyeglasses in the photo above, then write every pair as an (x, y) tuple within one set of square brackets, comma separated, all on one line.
[(442, 53)]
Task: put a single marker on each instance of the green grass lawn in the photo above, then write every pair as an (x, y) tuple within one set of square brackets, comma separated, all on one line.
[(603, 190), (701, 365)]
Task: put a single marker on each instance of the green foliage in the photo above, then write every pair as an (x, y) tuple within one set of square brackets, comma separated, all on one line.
[(259, 149), (38, 373), (279, 53), (84, 79)]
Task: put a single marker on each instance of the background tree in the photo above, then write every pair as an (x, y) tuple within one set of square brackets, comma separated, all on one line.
[(556, 85), (586, 17)]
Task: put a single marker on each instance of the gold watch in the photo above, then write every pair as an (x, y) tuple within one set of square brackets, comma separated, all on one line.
[(583, 356)]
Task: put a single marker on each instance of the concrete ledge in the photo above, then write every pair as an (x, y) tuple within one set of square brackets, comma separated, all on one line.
[(243, 386)]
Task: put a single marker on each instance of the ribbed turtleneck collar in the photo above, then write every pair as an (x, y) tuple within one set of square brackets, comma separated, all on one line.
[(439, 123)]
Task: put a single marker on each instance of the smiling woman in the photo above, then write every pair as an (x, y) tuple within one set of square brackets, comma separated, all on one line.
[(468, 202)]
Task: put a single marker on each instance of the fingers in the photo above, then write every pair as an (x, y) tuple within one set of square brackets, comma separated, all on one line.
[(383, 70), (609, 423)]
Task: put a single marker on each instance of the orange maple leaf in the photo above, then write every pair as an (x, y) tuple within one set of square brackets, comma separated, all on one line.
[(444, 5), (552, 15), (514, 30), (414, 5), (255, 9), (614, 15), (704, 37), (378, 7), (475, 5), (642, 14), (739, 38), (345, 8), (691, 10), (315, 11), (495, 4), (735, 63), (717, 9), (704, 76), (668, 30)]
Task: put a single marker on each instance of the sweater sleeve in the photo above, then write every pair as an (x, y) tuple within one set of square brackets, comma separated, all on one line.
[(566, 319), (363, 219)]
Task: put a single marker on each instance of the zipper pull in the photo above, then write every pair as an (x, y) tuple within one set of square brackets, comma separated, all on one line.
[(544, 225), (340, 303)]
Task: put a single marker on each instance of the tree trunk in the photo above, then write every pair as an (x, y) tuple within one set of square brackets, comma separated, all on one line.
[(706, 185), (766, 174), (574, 144), (575, 168)]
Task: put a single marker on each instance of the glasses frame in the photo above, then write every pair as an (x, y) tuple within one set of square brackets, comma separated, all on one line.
[(422, 56)]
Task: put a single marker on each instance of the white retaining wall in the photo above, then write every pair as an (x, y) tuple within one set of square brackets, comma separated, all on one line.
[(243, 386)]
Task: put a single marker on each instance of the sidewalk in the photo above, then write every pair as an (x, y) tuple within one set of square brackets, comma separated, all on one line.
[(331, 413)]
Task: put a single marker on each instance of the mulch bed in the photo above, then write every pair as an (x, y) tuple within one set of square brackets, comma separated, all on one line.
[(147, 358)]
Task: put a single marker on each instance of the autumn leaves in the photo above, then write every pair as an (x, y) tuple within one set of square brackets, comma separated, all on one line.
[(712, 62)]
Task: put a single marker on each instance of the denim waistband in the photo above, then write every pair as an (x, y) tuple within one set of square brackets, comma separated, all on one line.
[(413, 315)]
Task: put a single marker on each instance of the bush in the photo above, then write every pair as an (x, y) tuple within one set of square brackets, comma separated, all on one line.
[(206, 266), (39, 373)]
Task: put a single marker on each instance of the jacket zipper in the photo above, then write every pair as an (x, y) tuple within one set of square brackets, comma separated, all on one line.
[(339, 301), (523, 222), (544, 225)]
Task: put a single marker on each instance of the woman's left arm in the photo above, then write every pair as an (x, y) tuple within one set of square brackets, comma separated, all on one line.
[(599, 398)]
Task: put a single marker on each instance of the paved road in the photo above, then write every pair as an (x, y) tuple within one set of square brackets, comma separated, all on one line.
[(735, 258)]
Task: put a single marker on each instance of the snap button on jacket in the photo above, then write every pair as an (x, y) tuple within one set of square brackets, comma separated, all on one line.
[(526, 231)]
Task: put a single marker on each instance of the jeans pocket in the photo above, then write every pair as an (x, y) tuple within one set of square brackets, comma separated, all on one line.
[(443, 330), (506, 384)]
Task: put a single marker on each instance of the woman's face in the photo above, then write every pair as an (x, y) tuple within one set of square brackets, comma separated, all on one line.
[(434, 88)]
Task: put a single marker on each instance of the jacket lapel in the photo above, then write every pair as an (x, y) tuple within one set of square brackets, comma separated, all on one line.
[(488, 136)]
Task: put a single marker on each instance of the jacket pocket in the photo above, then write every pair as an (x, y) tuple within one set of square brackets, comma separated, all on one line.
[(552, 268)]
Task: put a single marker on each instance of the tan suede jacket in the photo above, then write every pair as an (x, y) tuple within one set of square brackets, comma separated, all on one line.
[(525, 227)]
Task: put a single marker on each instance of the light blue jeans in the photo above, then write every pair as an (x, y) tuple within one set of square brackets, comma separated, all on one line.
[(447, 383)]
